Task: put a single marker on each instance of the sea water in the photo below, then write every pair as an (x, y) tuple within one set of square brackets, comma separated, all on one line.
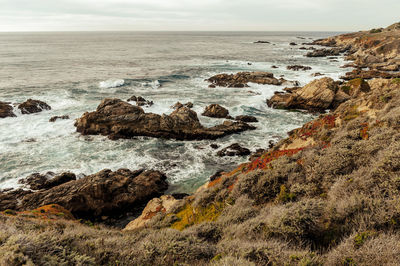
[(73, 72)]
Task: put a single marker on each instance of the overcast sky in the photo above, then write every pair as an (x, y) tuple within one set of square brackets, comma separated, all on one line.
[(256, 15)]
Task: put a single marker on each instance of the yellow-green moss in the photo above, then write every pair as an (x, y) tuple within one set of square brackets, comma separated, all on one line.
[(285, 196), (189, 215), (360, 238)]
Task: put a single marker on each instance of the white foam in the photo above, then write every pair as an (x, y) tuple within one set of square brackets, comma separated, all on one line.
[(111, 83)]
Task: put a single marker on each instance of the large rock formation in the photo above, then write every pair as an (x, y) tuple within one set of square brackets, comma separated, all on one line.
[(106, 193), (33, 106), (241, 79), (6, 110), (118, 119)]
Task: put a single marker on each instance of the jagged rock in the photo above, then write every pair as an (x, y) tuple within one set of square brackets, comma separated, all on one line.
[(298, 67), (317, 74), (241, 79), (246, 118), (55, 118), (106, 193), (214, 146), (6, 110), (315, 96), (118, 119), (369, 74), (179, 105), (328, 52), (234, 150), (216, 111), (163, 204), (356, 86), (33, 106), (140, 101), (37, 181)]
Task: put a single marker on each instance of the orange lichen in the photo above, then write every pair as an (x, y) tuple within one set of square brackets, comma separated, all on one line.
[(151, 214), (311, 128), (264, 161), (214, 182), (48, 212)]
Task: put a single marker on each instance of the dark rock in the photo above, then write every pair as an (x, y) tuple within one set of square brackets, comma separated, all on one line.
[(241, 79), (179, 105), (179, 196), (234, 150), (246, 118), (328, 52), (118, 119), (38, 181), (257, 154), (292, 43), (217, 175), (6, 110), (216, 111), (54, 118), (369, 74), (298, 67), (33, 106), (317, 74), (214, 146), (106, 193), (274, 66), (140, 101), (261, 42)]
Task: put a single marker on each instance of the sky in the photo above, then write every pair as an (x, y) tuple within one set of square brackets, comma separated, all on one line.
[(197, 15)]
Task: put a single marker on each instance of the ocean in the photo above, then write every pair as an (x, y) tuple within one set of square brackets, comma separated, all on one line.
[(73, 72)]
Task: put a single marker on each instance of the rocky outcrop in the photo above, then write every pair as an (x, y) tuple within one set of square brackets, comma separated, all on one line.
[(298, 67), (106, 193), (33, 106), (328, 52), (246, 118), (234, 150), (241, 79), (6, 110), (55, 118), (157, 205), (369, 74), (118, 119), (140, 101), (216, 111), (315, 96)]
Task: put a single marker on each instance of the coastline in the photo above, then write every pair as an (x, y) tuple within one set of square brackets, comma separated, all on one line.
[(315, 197)]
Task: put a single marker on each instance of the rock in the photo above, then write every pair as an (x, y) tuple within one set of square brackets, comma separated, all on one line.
[(179, 196), (261, 42), (157, 205), (328, 52), (140, 101), (216, 111), (369, 74), (246, 118), (241, 79), (6, 110), (292, 89), (274, 67), (318, 96), (257, 154), (212, 86), (355, 87), (118, 119), (234, 150), (37, 181), (54, 118), (292, 43), (179, 105), (33, 106), (106, 193), (214, 146), (217, 175), (317, 74), (298, 67)]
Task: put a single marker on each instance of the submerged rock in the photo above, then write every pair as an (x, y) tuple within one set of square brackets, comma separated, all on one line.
[(241, 79), (33, 106), (55, 118), (298, 67), (6, 110), (106, 193), (234, 150), (246, 118), (179, 105), (216, 111), (118, 119)]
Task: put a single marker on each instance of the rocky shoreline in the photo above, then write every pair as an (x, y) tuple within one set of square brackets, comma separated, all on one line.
[(327, 194)]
